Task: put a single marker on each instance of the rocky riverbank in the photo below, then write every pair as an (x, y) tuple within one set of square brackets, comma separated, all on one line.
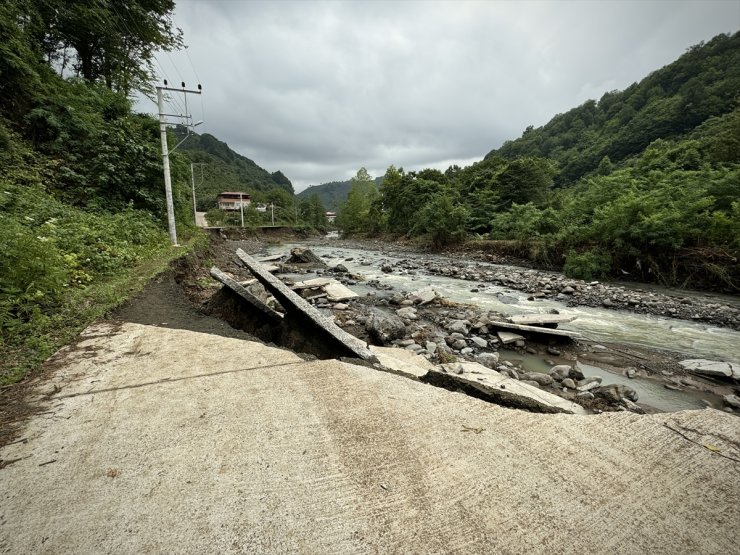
[(686, 305)]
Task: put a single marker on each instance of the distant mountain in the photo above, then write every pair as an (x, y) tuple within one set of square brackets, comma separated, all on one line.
[(226, 170), (332, 194), (666, 104)]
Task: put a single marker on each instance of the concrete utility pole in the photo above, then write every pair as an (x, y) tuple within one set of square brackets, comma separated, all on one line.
[(192, 181), (272, 207), (166, 152), (241, 206)]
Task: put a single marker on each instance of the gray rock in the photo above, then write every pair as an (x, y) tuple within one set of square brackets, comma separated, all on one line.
[(568, 290), (431, 346), (631, 372), (386, 268), (479, 342), (340, 269), (466, 351), (384, 327), (588, 386), (560, 372), (459, 344), (732, 401), (340, 306), (460, 326), (407, 313), (512, 373), (531, 382), (405, 342), (614, 393), (542, 379), (584, 395), (712, 367), (414, 347), (489, 360), (569, 383), (634, 407), (553, 351)]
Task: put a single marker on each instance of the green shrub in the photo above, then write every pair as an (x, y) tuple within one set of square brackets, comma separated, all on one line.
[(587, 265)]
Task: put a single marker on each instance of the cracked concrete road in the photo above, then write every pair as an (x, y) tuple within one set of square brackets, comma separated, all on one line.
[(156, 440)]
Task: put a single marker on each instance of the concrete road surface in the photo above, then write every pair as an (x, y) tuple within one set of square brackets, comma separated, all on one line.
[(200, 219), (156, 440)]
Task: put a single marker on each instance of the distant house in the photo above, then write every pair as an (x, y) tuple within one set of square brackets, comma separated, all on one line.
[(233, 200), (331, 216), (261, 208)]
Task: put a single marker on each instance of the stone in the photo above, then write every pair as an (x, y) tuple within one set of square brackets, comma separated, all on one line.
[(560, 372), (634, 407), (531, 382), (459, 344), (466, 351), (507, 337), (479, 342), (405, 342), (732, 401), (512, 373), (630, 373), (414, 347), (386, 268), (569, 383), (460, 326), (407, 313), (300, 255), (541, 379), (340, 269), (614, 393), (588, 386), (489, 360), (384, 327), (341, 306), (423, 296), (587, 395), (431, 346), (553, 351)]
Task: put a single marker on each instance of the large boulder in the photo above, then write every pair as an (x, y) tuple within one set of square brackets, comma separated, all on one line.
[(383, 326), (300, 255)]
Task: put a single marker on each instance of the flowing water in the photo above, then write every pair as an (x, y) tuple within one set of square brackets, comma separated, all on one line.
[(686, 338)]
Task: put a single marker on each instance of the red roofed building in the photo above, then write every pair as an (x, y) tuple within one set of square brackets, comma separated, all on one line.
[(233, 200)]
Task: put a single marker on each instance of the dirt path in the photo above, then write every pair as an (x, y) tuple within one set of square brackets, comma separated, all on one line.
[(165, 440)]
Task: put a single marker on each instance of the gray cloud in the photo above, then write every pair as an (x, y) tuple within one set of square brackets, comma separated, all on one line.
[(318, 89)]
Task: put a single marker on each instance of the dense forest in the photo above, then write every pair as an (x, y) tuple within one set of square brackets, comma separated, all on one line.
[(644, 183)]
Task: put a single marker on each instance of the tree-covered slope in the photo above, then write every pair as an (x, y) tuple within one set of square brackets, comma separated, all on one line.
[(226, 170), (332, 194), (666, 104)]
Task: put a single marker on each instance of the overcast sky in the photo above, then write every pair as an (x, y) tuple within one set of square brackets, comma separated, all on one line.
[(319, 89)]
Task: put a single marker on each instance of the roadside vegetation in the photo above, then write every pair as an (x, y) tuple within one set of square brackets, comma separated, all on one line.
[(644, 183), (82, 208)]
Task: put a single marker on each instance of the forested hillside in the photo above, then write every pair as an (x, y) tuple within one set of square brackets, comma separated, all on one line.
[(226, 170), (668, 103), (332, 194), (82, 206), (644, 183)]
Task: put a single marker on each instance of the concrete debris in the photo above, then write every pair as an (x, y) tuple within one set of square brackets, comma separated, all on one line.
[(541, 319), (334, 290), (507, 337), (299, 308), (480, 381), (402, 361), (245, 294), (712, 368), (423, 296), (534, 329)]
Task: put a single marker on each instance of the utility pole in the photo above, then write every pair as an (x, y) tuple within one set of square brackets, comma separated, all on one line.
[(272, 207), (166, 152), (241, 206), (192, 181)]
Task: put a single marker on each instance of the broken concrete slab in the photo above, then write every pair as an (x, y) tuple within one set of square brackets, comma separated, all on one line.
[(335, 292), (541, 319), (273, 258), (312, 283), (712, 367), (477, 380), (533, 329), (402, 362), (245, 294), (507, 337), (300, 309)]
